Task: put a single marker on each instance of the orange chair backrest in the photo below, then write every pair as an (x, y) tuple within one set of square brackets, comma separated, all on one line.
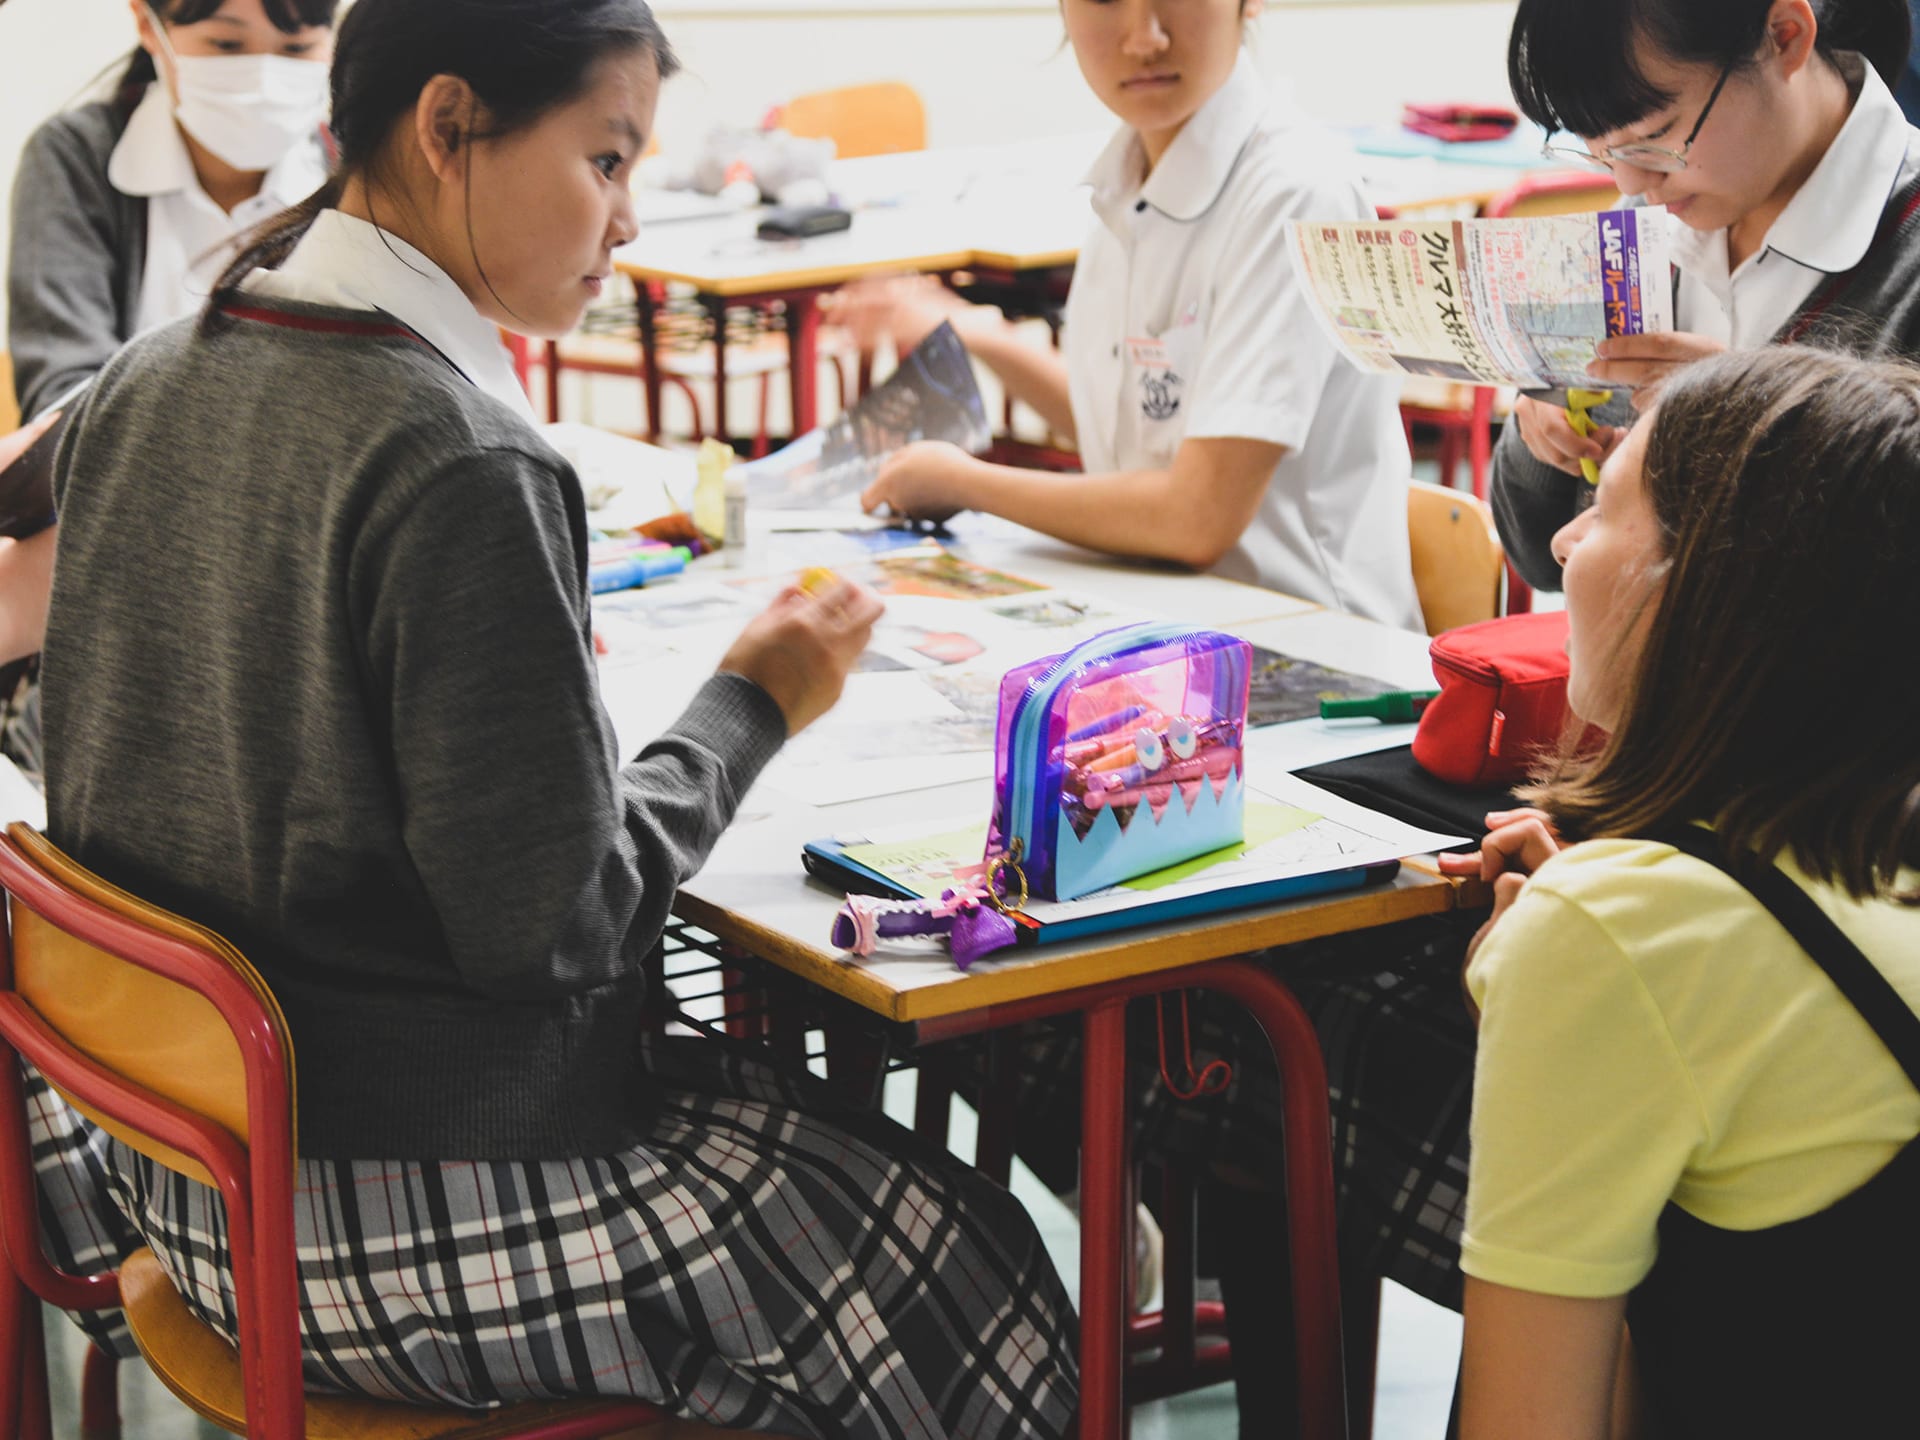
[(1573, 192), (1458, 565), (9, 405), (883, 119), (161, 1035)]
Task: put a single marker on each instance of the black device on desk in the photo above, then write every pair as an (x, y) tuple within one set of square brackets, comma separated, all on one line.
[(803, 222)]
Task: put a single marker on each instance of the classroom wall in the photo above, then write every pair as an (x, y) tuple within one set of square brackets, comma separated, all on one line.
[(989, 70)]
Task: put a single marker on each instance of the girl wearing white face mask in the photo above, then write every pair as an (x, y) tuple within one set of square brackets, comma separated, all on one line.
[(123, 214), (123, 206)]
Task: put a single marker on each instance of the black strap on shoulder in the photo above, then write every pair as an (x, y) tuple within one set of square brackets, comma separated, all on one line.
[(1856, 976)]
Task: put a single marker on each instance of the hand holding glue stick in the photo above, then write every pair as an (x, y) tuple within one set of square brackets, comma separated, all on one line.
[(802, 647)]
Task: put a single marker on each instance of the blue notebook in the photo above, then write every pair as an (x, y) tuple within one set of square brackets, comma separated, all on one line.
[(827, 861)]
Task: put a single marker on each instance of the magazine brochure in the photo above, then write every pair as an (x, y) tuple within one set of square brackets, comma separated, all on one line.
[(1490, 302), (932, 396)]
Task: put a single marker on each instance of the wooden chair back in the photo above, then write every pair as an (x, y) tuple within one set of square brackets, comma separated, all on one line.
[(9, 403), (861, 120), (1458, 566)]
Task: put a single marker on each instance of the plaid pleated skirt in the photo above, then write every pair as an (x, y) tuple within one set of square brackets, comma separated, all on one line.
[(752, 1265), (1399, 1048)]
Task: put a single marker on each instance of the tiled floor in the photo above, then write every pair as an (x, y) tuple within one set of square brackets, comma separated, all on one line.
[(1419, 1347)]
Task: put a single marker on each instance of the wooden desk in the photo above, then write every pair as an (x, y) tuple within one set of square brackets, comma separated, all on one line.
[(753, 894)]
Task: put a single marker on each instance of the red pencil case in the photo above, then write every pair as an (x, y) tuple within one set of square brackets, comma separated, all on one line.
[(1459, 122), (1503, 700)]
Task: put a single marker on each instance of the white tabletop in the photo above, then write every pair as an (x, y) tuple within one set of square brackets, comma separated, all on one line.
[(754, 875)]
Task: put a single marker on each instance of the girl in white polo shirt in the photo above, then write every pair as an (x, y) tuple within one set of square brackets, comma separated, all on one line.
[(1218, 427)]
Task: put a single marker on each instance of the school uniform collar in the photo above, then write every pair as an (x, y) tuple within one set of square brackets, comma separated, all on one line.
[(348, 263), (151, 158), (1196, 167), (1830, 222)]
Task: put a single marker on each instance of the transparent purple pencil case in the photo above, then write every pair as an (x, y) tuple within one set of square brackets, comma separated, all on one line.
[(1119, 758)]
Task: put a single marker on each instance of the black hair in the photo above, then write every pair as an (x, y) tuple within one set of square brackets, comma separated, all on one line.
[(1572, 67), (522, 58), (288, 16)]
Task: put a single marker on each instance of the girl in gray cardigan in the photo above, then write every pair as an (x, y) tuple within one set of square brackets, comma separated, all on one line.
[(320, 674)]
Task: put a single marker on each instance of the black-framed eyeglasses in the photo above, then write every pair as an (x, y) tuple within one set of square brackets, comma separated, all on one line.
[(1656, 159)]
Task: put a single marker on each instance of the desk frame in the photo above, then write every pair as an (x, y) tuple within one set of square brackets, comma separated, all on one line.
[(1097, 985)]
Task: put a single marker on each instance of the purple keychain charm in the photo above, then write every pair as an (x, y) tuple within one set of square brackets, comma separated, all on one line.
[(974, 916)]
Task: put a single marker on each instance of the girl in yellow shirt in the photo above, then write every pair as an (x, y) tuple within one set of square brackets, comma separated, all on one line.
[(1695, 1105)]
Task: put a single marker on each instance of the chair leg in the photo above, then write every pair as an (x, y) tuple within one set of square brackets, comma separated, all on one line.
[(1480, 441), (995, 1143), (14, 1305), (1519, 593), (1449, 456), (36, 1417), (553, 381), (762, 442), (1360, 1320), (100, 1396), (693, 407), (932, 1106)]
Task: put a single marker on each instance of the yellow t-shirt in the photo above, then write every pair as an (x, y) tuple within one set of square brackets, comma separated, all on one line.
[(1649, 1033)]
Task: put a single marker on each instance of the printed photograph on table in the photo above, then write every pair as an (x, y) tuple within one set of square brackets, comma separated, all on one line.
[(942, 576), (1053, 610), (1285, 688)]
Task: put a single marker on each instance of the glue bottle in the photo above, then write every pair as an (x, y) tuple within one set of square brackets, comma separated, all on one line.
[(734, 531), (710, 492)]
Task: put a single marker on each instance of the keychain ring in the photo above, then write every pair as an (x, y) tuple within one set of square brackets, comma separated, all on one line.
[(995, 867)]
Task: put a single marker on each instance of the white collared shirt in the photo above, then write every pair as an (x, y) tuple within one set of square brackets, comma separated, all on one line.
[(1186, 322), (189, 237), (350, 264), (1826, 229)]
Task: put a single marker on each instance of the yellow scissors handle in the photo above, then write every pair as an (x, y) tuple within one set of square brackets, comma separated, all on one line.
[(1579, 403)]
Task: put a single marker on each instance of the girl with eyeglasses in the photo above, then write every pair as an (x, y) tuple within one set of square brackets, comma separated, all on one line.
[(1768, 131)]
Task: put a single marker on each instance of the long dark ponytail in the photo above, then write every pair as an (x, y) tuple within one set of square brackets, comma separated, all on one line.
[(287, 16), (1573, 65), (522, 58)]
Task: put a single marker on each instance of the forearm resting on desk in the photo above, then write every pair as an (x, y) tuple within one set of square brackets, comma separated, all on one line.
[(1191, 513), (26, 579)]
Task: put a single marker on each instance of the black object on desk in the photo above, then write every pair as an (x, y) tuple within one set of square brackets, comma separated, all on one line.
[(1389, 781), (803, 222)]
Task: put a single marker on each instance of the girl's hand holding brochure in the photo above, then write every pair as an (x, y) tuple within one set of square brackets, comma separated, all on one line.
[(1645, 362), (1642, 362)]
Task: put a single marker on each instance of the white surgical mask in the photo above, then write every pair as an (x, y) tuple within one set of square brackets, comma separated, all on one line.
[(247, 109)]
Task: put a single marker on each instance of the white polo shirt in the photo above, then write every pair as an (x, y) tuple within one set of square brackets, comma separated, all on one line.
[(188, 236), (1825, 229), (1186, 322)]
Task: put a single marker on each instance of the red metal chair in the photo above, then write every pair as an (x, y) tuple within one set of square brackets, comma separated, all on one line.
[(163, 1034)]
